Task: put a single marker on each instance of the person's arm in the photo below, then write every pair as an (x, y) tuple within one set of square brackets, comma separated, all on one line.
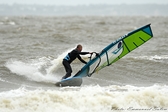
[(83, 53), (83, 61)]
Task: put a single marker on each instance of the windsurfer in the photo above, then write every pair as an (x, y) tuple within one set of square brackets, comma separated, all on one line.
[(70, 57)]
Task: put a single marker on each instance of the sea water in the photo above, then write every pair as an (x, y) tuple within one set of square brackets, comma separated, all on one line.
[(32, 49)]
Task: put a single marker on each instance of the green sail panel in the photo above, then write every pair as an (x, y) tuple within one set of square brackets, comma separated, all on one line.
[(132, 42)]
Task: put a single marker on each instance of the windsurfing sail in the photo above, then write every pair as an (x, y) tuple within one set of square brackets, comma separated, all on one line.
[(116, 50)]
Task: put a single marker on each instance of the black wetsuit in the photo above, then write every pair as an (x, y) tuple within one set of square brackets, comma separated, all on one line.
[(68, 60)]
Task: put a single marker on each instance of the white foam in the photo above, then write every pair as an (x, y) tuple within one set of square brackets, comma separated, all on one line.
[(153, 58), (34, 70), (12, 23), (43, 69), (88, 98), (56, 63), (1, 23)]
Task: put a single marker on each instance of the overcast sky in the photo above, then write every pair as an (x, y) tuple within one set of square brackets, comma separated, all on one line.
[(83, 2)]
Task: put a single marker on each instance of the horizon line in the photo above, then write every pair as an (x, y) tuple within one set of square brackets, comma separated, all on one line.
[(82, 4)]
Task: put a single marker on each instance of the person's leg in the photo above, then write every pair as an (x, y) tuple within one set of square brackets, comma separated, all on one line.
[(68, 69)]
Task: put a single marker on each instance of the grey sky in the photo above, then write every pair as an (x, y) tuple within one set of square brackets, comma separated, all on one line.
[(83, 2)]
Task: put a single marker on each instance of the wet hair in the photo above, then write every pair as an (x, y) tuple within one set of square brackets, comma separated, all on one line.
[(79, 46)]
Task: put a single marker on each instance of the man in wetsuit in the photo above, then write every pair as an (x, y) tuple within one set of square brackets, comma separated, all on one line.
[(71, 57)]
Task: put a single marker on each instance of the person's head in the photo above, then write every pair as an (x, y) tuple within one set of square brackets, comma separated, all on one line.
[(79, 47)]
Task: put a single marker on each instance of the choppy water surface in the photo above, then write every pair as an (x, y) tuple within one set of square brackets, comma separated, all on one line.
[(32, 49)]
